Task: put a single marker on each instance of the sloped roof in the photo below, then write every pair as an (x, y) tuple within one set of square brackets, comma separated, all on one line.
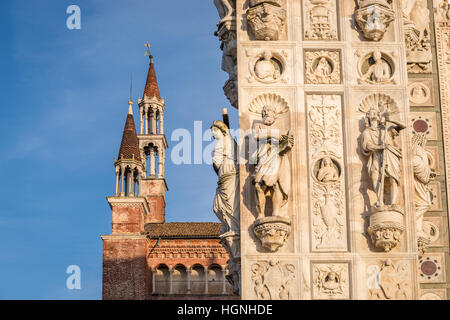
[(183, 230), (130, 143), (151, 86)]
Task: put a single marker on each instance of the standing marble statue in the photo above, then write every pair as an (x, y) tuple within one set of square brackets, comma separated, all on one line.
[(272, 180), (378, 143), (272, 172), (384, 167), (227, 201), (423, 173)]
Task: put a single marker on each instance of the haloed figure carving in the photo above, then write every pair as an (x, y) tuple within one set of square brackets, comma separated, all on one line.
[(272, 173), (378, 142)]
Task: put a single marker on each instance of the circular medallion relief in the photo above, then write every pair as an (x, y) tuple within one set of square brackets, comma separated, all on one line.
[(327, 170), (418, 92), (267, 67)]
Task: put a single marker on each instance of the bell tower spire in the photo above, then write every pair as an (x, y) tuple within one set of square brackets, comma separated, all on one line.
[(153, 143)]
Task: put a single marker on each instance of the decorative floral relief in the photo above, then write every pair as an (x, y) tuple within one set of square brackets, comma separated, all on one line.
[(326, 154)]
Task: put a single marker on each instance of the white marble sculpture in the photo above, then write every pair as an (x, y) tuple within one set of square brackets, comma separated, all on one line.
[(271, 177), (373, 18), (227, 201), (383, 166), (423, 173)]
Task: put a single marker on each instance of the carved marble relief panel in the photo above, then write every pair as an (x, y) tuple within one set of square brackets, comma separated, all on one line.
[(433, 227), (433, 294), (323, 66), (434, 151), (436, 199), (320, 20), (389, 280), (269, 66), (420, 92), (274, 280), (377, 66), (416, 26), (330, 281), (327, 173)]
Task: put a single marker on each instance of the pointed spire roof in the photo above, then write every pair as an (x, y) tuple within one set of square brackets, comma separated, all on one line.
[(130, 144), (151, 86)]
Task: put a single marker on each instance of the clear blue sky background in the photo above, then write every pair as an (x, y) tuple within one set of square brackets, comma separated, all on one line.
[(63, 98)]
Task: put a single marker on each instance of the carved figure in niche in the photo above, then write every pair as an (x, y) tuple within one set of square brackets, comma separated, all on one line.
[(265, 68), (373, 18), (423, 173), (328, 171), (378, 143), (226, 201), (272, 172), (380, 71), (323, 68)]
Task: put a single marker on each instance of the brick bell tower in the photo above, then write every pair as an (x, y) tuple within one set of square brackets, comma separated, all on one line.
[(139, 198)]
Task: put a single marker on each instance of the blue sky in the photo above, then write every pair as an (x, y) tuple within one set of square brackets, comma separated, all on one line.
[(64, 100)]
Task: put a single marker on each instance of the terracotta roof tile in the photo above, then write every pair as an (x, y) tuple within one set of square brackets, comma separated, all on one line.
[(183, 230), (151, 86), (130, 144)]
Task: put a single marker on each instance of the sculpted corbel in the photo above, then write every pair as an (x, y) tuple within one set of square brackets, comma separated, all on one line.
[(266, 19), (374, 17)]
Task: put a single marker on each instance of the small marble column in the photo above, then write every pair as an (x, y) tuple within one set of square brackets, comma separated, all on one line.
[(153, 280), (122, 178), (146, 120), (152, 162), (117, 183), (140, 177), (188, 272), (142, 120), (206, 279), (160, 163), (153, 121), (170, 280), (161, 122), (224, 280)]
